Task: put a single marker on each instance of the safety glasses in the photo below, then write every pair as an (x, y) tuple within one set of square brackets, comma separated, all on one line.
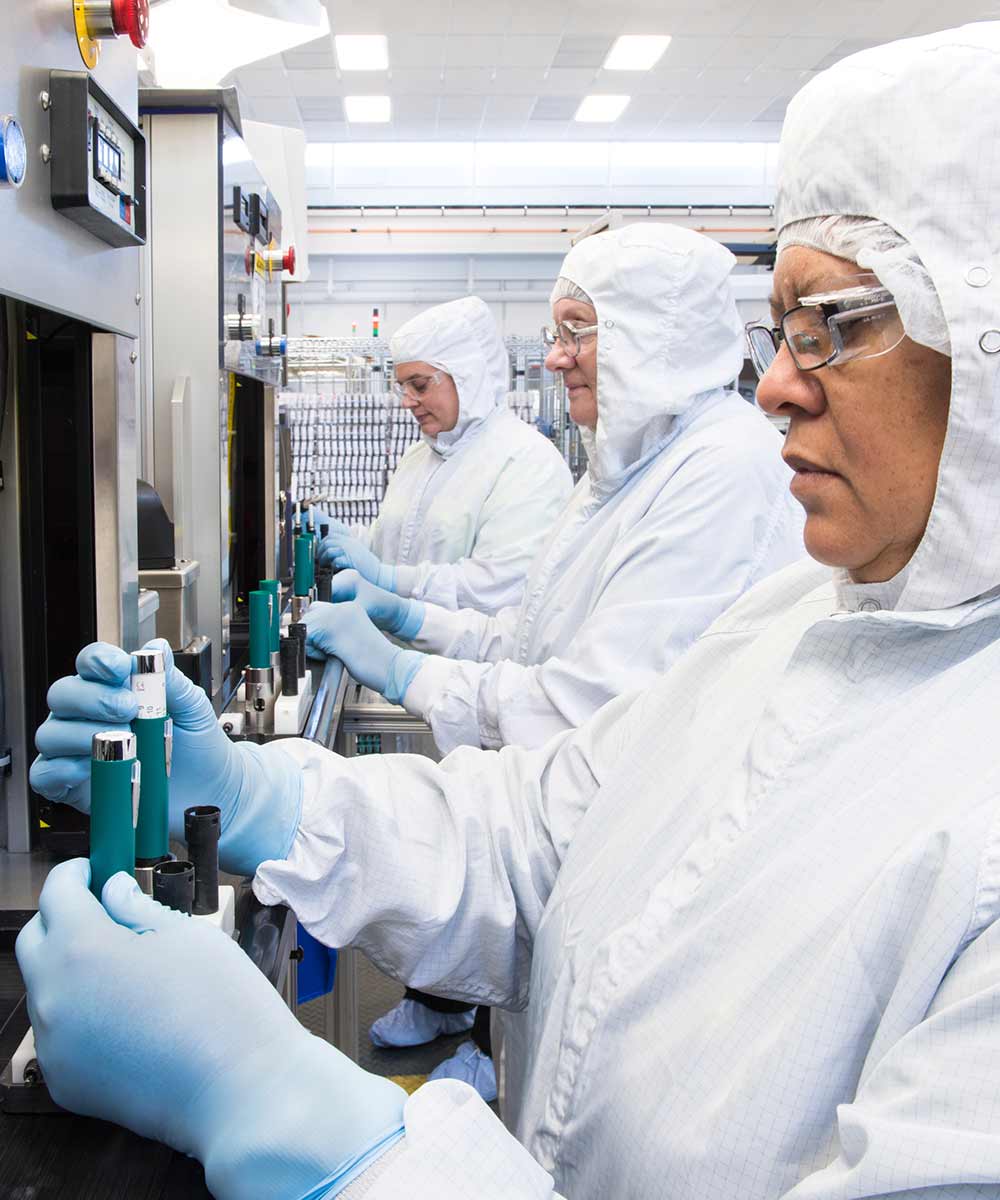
[(416, 386), (569, 335), (830, 328)]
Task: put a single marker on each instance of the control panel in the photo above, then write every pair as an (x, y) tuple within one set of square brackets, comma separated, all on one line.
[(98, 161)]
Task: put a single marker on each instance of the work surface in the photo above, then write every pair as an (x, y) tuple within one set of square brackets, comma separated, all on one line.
[(65, 1157)]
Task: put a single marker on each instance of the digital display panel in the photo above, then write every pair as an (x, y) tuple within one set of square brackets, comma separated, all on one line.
[(109, 157)]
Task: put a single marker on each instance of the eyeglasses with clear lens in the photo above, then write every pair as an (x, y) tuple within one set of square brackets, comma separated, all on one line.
[(416, 386), (830, 328), (569, 335)]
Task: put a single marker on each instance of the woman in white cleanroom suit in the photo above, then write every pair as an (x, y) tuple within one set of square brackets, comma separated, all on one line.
[(683, 507), (469, 504), (752, 913)]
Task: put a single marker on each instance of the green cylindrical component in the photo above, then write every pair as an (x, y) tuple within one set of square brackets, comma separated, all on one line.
[(153, 736), (152, 832), (260, 630), (114, 779), (303, 566), (313, 547), (273, 588)]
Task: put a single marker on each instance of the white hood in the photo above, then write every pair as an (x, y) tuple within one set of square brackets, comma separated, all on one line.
[(910, 134), (669, 332), (462, 339)]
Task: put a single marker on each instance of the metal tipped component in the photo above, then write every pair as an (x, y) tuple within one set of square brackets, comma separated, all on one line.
[(149, 662), (113, 746)]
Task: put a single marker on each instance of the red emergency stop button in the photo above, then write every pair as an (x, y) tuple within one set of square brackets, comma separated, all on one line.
[(131, 17), (288, 262)]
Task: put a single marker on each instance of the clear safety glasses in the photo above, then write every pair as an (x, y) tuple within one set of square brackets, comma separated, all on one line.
[(416, 386), (569, 335), (830, 328)]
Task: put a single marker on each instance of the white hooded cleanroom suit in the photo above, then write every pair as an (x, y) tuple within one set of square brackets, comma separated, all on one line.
[(465, 512), (684, 506), (753, 913)]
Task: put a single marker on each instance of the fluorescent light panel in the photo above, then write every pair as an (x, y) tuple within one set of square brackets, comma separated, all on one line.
[(369, 110), (362, 51), (602, 109), (636, 52)]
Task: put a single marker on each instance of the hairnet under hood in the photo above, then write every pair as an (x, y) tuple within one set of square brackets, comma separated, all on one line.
[(669, 332), (461, 338), (909, 133)]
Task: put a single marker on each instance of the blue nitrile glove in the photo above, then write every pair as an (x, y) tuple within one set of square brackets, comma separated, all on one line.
[(345, 631), (395, 614), (161, 1023), (336, 526), (259, 792), (343, 551)]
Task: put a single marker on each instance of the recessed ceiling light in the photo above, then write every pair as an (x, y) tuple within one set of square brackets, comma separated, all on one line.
[(636, 52), (362, 51), (368, 110), (602, 109)]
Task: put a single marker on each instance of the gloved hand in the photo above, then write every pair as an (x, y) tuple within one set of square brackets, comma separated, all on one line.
[(336, 526), (161, 1023), (343, 550), (258, 791), (396, 615), (345, 631)]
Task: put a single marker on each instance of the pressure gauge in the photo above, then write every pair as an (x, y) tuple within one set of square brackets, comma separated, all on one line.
[(13, 153)]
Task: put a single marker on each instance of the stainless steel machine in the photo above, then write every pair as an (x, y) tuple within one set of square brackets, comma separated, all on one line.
[(213, 269), (69, 328)]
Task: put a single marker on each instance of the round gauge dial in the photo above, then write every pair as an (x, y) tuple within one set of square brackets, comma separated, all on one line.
[(13, 153)]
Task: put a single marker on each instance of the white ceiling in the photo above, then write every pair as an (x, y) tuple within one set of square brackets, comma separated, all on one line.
[(515, 70)]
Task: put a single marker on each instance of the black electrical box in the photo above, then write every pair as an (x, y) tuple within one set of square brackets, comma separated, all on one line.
[(98, 161)]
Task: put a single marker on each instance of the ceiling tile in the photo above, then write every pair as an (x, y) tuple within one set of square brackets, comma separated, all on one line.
[(314, 83), (492, 18), (311, 56), (277, 112), (716, 18), (800, 53), (566, 81), (688, 52), (470, 52), (457, 131), (419, 81), (545, 19), (597, 16), (581, 50), (326, 131), (744, 52), (775, 112), (263, 84), (509, 108), (736, 108), (414, 109), (528, 51), (555, 108), (460, 108), (415, 51), (469, 80), (314, 108)]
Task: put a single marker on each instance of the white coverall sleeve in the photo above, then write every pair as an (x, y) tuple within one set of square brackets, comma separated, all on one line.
[(681, 565), (525, 501), (440, 872), (925, 1121), (455, 1148), (467, 633)]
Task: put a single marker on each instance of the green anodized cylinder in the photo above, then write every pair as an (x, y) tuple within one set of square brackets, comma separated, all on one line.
[(260, 630), (303, 566), (272, 587), (114, 785), (153, 738)]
